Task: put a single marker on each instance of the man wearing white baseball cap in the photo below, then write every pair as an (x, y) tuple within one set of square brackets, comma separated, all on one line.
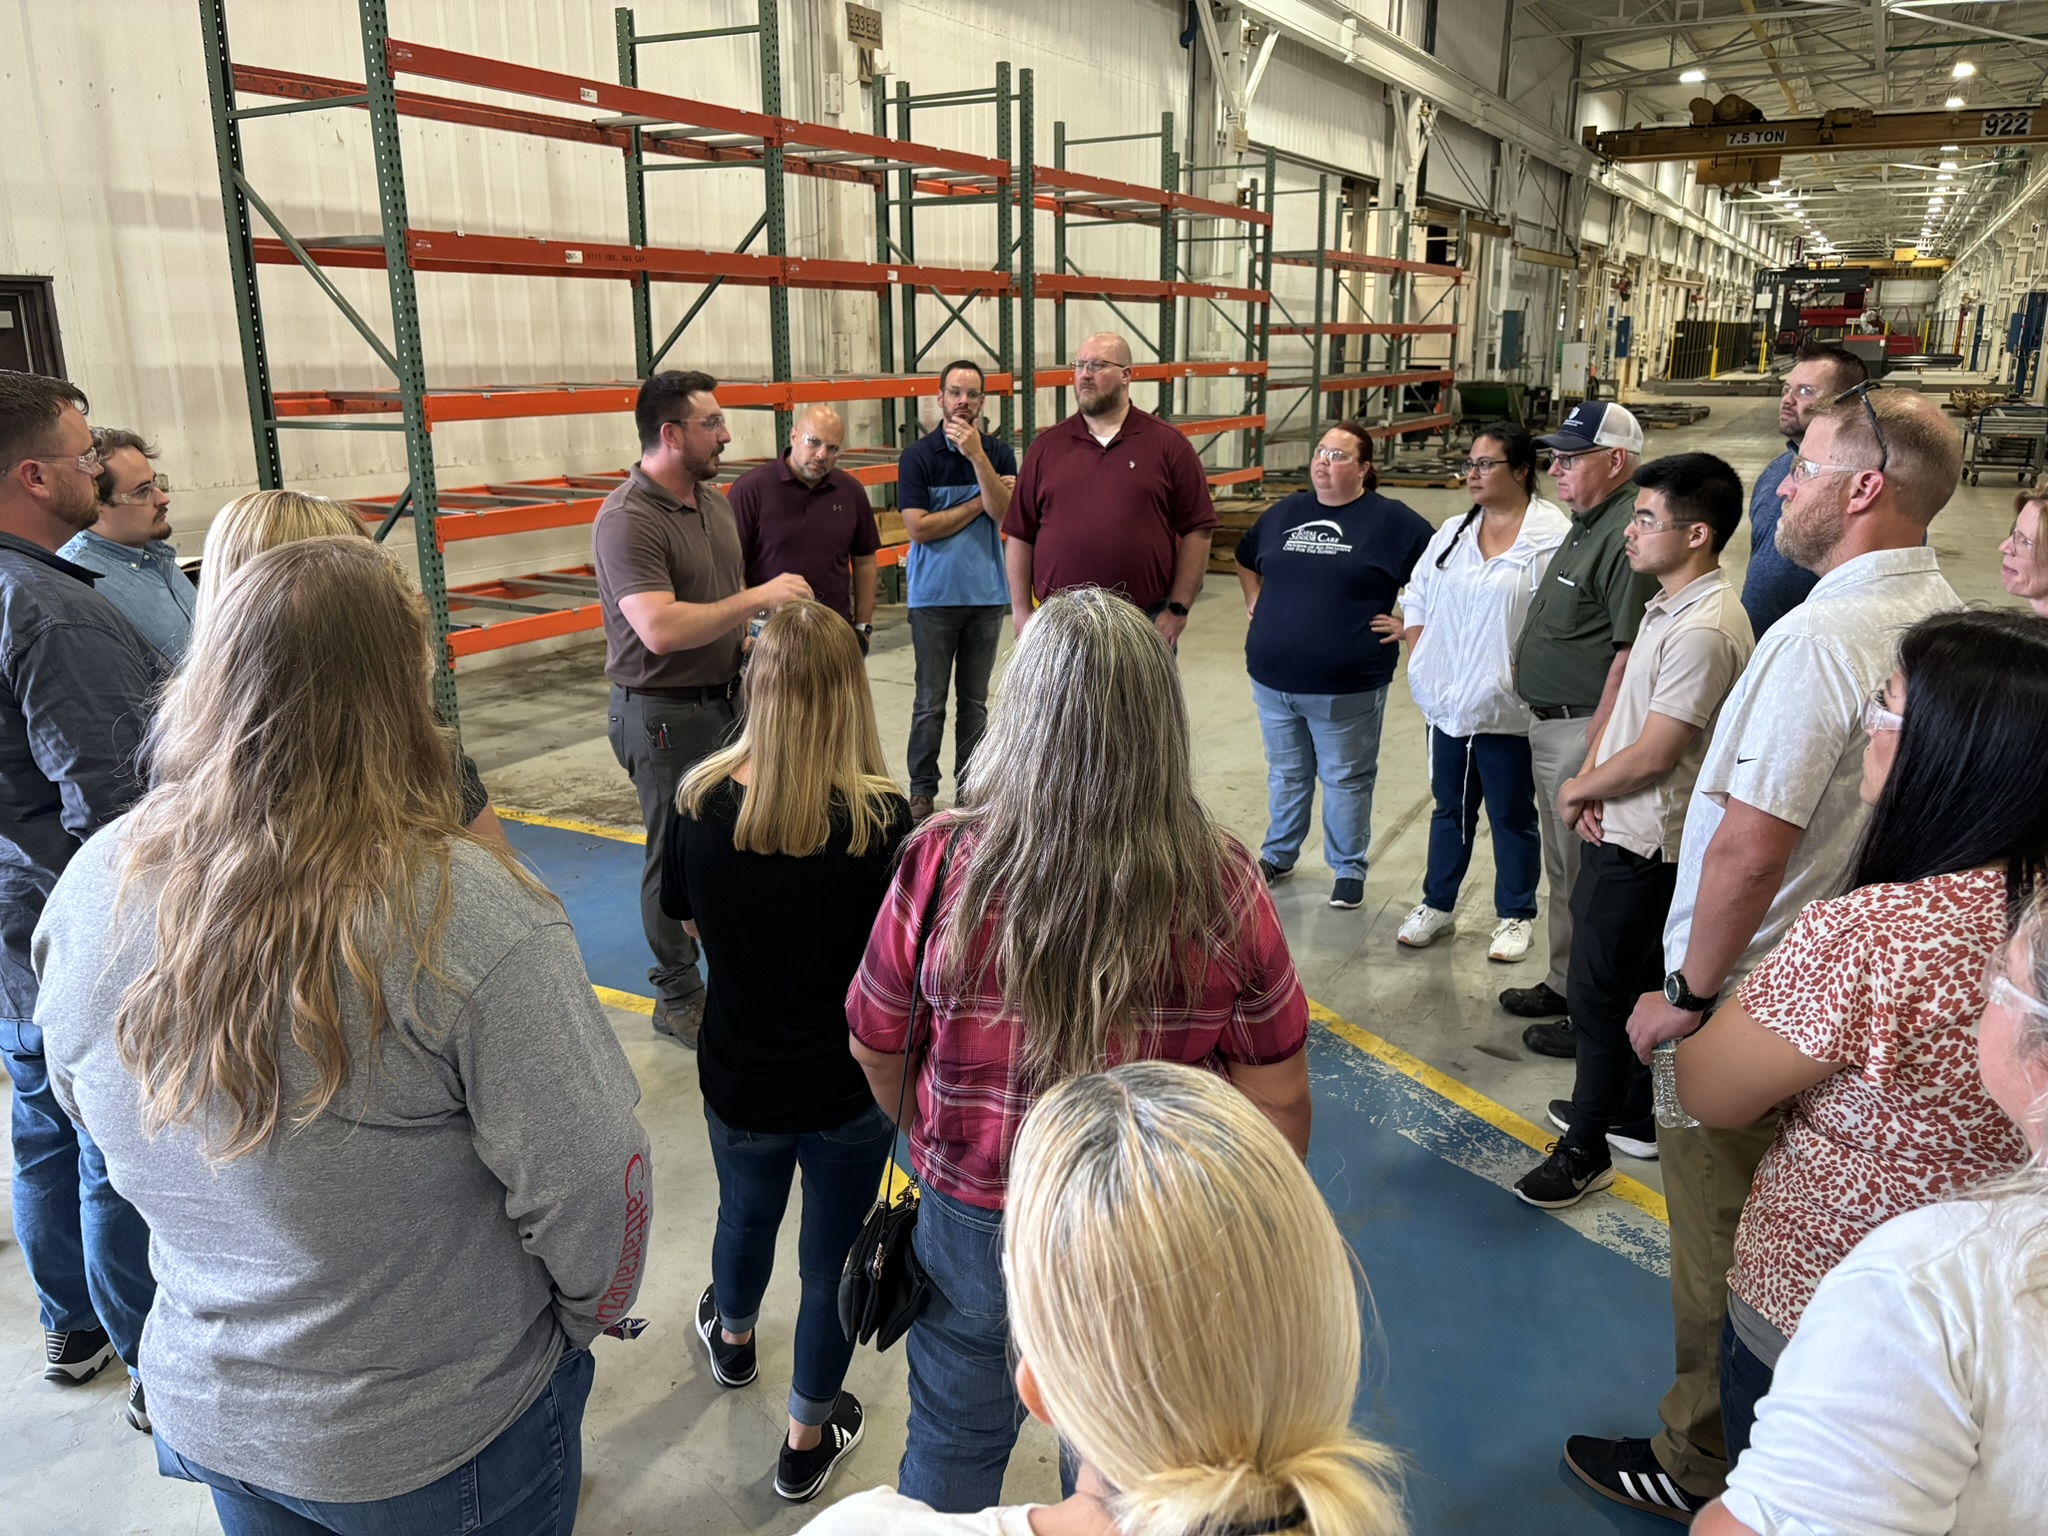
[(1569, 661)]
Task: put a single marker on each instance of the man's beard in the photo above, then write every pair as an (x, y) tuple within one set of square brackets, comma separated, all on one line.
[(78, 511), (702, 469), (1105, 404), (1811, 543)]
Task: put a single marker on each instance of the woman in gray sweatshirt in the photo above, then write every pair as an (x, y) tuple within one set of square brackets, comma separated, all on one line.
[(343, 1057)]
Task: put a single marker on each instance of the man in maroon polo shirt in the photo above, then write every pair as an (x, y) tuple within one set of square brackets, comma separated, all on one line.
[(803, 514), (1111, 497)]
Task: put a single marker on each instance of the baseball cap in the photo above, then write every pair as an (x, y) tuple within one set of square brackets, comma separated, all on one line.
[(1596, 424)]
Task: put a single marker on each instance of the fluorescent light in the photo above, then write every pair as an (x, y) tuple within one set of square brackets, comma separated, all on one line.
[(1945, 176), (1692, 77), (1963, 70), (1948, 149), (1947, 165), (1777, 181), (1954, 103)]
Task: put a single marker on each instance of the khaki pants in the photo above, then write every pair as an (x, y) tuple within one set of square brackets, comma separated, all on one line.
[(1707, 1175), (1557, 751)]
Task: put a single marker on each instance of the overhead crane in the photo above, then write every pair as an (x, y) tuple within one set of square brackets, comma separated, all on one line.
[(1839, 131)]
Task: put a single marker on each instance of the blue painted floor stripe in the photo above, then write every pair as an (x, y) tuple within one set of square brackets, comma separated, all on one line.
[(1502, 1330)]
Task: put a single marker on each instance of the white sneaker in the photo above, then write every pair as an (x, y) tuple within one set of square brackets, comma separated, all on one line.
[(1511, 940), (1424, 926)]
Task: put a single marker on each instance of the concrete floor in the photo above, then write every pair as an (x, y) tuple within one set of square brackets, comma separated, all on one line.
[(666, 1451)]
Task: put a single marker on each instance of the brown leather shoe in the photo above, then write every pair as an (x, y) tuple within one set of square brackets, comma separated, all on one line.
[(681, 1023), (920, 807)]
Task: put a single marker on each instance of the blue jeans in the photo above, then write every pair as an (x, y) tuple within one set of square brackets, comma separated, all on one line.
[(524, 1483), (1331, 736), (964, 1410), (86, 1248), (842, 1174), (1463, 770), (1745, 1382)]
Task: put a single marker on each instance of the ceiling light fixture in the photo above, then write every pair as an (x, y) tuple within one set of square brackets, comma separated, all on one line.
[(1692, 77), (1954, 103), (1947, 165), (1963, 70)]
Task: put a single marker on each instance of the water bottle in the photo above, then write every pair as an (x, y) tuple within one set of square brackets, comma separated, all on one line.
[(1664, 1070)]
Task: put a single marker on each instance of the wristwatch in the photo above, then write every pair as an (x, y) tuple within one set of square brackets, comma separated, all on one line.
[(1680, 996), (1178, 610), (864, 629)]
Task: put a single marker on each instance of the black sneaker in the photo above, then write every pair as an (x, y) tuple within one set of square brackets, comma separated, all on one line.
[(732, 1365), (1348, 894), (1627, 1471), (800, 1475), (138, 1405), (1556, 1038), (1565, 1178), (682, 1022), (76, 1357), (1538, 1002), (1637, 1141), (1272, 873)]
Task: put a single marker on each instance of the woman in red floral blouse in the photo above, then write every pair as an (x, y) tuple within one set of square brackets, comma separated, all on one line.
[(1865, 1015)]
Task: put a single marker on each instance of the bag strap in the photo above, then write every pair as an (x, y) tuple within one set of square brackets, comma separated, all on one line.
[(924, 934)]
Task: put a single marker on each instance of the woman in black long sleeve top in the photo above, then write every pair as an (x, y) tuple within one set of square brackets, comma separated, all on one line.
[(777, 860)]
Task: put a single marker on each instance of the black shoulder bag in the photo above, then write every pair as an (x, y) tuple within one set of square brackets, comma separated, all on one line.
[(883, 1287)]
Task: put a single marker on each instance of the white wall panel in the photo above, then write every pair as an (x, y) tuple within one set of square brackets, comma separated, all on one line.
[(1460, 165)]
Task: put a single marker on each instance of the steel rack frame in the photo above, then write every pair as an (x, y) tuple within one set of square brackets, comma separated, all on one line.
[(1333, 383), (651, 131)]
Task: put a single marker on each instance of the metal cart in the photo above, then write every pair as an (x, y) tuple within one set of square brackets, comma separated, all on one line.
[(2013, 437)]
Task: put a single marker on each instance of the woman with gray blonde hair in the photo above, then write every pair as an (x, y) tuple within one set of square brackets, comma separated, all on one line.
[(1088, 911), (342, 1055), (1145, 1203), (1910, 1402)]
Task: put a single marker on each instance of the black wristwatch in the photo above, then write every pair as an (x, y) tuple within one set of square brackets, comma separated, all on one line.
[(1178, 610), (1680, 996)]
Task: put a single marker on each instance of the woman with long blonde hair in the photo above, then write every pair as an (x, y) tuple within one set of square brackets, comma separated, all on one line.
[(261, 520), (343, 1057), (776, 860), (1145, 1204), (1089, 911)]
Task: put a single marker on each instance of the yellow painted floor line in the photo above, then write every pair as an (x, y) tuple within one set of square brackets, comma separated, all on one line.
[(1472, 1101), (1466, 1097)]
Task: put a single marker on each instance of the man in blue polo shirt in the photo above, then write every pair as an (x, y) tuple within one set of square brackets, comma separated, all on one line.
[(1774, 585), (953, 488)]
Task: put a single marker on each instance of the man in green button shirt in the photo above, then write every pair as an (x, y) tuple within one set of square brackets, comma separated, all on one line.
[(1569, 661)]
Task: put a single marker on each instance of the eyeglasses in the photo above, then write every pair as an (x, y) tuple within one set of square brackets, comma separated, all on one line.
[(1336, 456), (1644, 522), (88, 462), (708, 423), (2019, 540), (2001, 989), (815, 443), (1093, 366), (953, 392), (1877, 716), (1485, 466), (1561, 461), (1802, 392), (1804, 470), (1862, 392), (143, 494)]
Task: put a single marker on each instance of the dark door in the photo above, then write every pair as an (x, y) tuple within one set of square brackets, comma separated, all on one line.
[(28, 327)]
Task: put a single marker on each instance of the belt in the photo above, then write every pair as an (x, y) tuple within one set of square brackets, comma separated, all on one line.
[(1564, 712), (710, 693)]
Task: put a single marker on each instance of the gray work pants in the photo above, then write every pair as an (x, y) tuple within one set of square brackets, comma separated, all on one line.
[(1557, 751), (657, 741)]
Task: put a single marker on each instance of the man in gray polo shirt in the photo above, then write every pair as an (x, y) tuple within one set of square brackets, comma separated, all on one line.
[(670, 579), (1569, 663), (1773, 824)]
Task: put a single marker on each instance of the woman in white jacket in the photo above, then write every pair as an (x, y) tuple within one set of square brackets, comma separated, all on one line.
[(1461, 611)]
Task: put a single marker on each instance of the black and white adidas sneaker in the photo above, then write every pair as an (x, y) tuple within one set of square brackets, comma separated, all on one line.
[(1628, 1472), (76, 1357), (800, 1475)]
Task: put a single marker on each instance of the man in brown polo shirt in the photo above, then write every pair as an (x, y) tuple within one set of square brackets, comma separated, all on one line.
[(671, 582), (802, 513), (1111, 497)]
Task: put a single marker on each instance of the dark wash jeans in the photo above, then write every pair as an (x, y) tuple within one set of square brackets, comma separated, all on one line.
[(86, 1248), (1463, 772), (524, 1483), (842, 1173), (657, 741), (955, 647), (1745, 1382)]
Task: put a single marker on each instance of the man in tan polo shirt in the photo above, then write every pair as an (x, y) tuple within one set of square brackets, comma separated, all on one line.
[(670, 579), (1627, 805)]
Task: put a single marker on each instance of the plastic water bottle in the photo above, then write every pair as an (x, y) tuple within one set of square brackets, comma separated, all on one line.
[(1664, 1071)]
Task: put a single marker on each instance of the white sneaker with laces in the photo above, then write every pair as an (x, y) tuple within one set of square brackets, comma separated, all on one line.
[(1511, 940), (1424, 926)]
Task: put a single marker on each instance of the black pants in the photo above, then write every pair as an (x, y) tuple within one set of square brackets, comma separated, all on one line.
[(956, 649), (1618, 911), (657, 741)]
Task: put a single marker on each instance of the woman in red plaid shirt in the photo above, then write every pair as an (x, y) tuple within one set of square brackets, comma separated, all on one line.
[(1092, 913)]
